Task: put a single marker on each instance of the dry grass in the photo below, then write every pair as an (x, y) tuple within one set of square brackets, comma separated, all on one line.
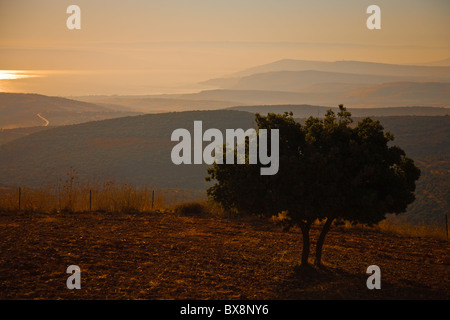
[(72, 196), (75, 197), (404, 228), (414, 230)]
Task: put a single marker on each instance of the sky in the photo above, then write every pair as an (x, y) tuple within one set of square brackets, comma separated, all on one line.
[(148, 46)]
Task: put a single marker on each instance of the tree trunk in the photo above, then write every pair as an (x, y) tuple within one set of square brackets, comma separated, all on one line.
[(305, 227), (321, 240)]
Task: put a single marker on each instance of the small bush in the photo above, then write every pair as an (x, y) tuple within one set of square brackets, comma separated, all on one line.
[(191, 209)]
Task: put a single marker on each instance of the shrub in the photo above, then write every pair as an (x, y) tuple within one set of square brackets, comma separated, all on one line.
[(191, 209)]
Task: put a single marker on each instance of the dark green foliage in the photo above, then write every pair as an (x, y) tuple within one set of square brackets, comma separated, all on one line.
[(329, 169)]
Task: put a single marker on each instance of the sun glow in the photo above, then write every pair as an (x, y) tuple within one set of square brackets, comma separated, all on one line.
[(14, 75)]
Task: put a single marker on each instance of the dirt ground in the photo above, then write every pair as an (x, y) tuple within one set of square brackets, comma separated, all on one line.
[(164, 256)]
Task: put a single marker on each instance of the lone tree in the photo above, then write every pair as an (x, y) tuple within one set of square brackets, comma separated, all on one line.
[(329, 170)]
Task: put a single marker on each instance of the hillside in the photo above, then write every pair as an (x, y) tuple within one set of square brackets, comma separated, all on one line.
[(136, 150), (30, 110), (427, 141), (445, 62), (433, 191), (305, 111), (394, 94), (354, 83), (7, 135), (420, 137), (230, 97), (297, 80), (400, 94), (260, 89), (164, 256), (441, 71), (157, 104)]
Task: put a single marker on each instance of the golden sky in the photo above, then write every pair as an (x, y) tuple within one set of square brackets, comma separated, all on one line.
[(148, 45)]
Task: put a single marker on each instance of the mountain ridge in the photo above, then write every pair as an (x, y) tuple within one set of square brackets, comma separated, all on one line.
[(364, 67)]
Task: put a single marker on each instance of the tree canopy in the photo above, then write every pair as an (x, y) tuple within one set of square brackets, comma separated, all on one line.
[(330, 169)]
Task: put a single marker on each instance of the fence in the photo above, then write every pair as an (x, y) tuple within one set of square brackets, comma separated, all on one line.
[(108, 198)]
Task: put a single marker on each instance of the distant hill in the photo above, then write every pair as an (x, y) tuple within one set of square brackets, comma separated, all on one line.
[(136, 150), (445, 62), (401, 93), (299, 111), (305, 111), (157, 103), (394, 94), (246, 96), (297, 80), (358, 67), (131, 149), (203, 100), (356, 83), (29, 110)]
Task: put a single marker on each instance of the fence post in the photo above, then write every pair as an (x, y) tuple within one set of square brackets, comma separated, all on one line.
[(153, 198), (90, 200), (20, 195)]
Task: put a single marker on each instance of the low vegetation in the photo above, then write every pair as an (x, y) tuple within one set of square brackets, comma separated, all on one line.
[(70, 196), (191, 209)]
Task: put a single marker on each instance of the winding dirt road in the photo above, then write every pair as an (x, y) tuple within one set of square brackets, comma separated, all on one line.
[(46, 121)]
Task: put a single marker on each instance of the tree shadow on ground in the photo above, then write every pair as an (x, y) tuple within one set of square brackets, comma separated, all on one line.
[(332, 283)]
